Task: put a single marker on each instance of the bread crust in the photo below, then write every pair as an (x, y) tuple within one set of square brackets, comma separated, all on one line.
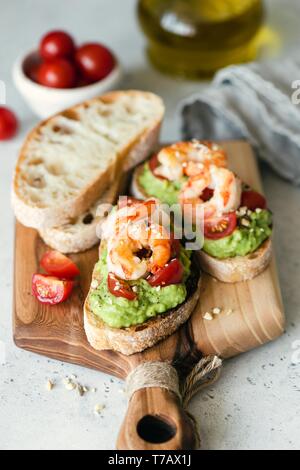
[(238, 268), (137, 338), (44, 217)]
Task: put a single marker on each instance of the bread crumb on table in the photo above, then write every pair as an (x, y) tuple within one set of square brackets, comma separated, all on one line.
[(98, 408), (49, 385), (70, 386)]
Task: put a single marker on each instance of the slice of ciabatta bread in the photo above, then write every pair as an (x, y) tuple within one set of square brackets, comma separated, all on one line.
[(80, 233), (137, 338), (238, 268), (68, 160)]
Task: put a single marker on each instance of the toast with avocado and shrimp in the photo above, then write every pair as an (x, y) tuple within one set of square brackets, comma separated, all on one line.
[(139, 296), (237, 242), (69, 160)]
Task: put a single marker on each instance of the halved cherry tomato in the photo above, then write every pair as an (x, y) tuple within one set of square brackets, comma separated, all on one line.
[(153, 164), (57, 264), (253, 200), (220, 227), (207, 194), (172, 273), (50, 289), (119, 288), (56, 45)]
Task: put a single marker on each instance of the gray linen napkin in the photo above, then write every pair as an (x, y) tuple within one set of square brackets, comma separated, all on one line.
[(252, 102)]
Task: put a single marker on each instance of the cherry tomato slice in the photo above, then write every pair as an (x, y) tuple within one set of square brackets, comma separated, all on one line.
[(220, 227), (94, 61), (50, 290), (253, 200), (56, 45), (153, 164), (172, 273), (119, 288), (57, 264), (8, 123), (59, 73)]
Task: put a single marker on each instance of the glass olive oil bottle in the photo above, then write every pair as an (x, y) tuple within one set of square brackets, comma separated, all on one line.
[(194, 38)]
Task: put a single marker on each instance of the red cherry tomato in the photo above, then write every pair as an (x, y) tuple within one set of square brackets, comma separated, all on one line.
[(56, 45), (57, 264), (32, 72), (220, 227), (253, 200), (119, 288), (94, 61), (172, 273), (58, 73), (8, 123), (153, 164), (207, 194), (50, 290)]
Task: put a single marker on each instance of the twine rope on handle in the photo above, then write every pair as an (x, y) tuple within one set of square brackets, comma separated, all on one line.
[(164, 375)]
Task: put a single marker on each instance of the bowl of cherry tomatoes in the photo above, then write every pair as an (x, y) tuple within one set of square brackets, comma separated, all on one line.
[(60, 74)]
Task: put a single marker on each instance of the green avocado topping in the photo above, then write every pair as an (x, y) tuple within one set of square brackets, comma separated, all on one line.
[(244, 239), (166, 191), (118, 312)]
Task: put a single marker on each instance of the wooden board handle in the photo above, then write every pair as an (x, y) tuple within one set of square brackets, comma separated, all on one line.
[(155, 420)]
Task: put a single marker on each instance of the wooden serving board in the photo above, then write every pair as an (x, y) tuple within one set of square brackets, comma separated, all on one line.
[(57, 332)]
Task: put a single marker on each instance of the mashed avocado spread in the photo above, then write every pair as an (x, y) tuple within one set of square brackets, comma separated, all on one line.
[(243, 240), (118, 312), (166, 191)]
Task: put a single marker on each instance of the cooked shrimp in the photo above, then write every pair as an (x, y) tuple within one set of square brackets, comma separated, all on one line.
[(226, 196), (189, 158), (144, 249), (119, 219), (122, 259)]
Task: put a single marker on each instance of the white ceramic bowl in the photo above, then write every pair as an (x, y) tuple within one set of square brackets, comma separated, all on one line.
[(45, 101)]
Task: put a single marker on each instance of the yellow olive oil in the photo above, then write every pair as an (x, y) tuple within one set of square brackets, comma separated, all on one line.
[(194, 38)]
